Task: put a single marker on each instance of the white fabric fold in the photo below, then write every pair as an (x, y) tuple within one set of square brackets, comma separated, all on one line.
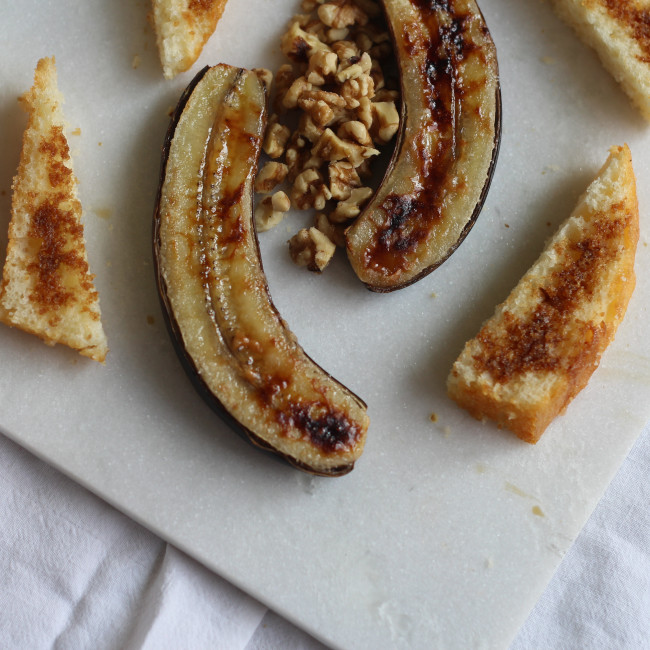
[(599, 597), (76, 573)]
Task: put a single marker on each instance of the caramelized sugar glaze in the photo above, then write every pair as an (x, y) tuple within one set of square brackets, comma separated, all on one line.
[(450, 96), (232, 340), (57, 232), (552, 339)]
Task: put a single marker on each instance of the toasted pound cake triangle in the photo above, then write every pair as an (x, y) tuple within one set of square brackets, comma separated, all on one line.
[(543, 343), (619, 31), (47, 288), (182, 29)]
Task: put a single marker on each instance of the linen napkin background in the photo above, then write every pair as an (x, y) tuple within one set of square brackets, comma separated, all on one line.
[(76, 573)]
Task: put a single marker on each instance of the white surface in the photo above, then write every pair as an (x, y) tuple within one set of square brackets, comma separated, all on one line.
[(432, 540), (100, 576)]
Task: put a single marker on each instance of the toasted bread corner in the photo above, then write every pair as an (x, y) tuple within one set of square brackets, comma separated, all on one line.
[(539, 349), (618, 32), (47, 288), (182, 28)]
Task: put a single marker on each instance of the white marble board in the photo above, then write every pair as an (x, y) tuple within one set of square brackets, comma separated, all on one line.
[(436, 538)]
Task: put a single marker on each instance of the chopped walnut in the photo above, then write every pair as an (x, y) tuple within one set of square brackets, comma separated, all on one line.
[(333, 35), (377, 75), (276, 138), (295, 92), (333, 231), (298, 44), (280, 202), (386, 95), (318, 110), (311, 248), (353, 69), (309, 5), (351, 207), (375, 33), (343, 179), (322, 66), (309, 190), (341, 13), (336, 85), (364, 169), (381, 50), (354, 89), (284, 77), (331, 147), (363, 42), (364, 111), (356, 131), (309, 129), (385, 122), (271, 210), (347, 52), (332, 99), (297, 153), (272, 174)]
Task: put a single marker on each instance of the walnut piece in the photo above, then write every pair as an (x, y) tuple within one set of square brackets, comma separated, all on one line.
[(385, 121), (341, 14), (276, 138), (322, 66), (343, 179), (272, 174), (309, 190), (311, 248), (271, 210), (333, 231), (351, 207)]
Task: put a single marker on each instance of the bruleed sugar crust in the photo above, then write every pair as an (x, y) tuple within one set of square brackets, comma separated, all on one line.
[(47, 288), (182, 29), (619, 31), (543, 343)]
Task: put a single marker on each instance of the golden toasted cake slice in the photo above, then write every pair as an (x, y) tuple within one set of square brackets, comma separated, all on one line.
[(47, 288), (619, 31), (543, 343), (182, 29)]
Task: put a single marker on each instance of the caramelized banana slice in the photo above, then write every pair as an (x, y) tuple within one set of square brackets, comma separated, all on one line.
[(446, 148), (229, 336)]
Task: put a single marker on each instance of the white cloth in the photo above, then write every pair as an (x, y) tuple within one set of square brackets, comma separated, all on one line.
[(75, 573)]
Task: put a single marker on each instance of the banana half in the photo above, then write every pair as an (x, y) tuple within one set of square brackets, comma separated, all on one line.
[(229, 336)]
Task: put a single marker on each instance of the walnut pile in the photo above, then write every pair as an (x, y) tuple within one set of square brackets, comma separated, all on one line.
[(335, 90)]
